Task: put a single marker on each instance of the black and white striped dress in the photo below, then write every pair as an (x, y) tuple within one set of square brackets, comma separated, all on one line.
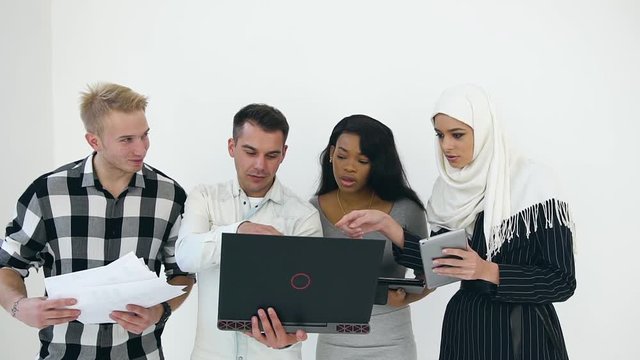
[(535, 271)]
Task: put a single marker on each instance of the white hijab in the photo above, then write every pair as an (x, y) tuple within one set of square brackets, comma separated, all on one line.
[(497, 181)]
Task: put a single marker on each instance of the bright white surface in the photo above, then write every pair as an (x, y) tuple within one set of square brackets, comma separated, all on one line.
[(26, 124), (563, 74), (99, 291)]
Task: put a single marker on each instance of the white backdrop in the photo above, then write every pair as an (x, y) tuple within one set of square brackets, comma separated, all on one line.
[(563, 74)]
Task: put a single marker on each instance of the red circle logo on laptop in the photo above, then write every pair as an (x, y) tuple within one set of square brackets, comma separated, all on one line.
[(300, 281)]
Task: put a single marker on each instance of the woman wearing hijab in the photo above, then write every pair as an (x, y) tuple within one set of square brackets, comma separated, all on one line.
[(520, 255)]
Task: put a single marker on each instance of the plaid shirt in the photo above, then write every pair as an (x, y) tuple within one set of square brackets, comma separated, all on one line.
[(66, 221)]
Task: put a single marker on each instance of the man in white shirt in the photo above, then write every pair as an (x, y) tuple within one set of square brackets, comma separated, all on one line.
[(254, 202)]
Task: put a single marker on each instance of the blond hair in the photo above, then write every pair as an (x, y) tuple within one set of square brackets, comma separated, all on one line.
[(102, 98)]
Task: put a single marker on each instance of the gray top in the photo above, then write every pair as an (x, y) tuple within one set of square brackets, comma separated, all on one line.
[(406, 212), (391, 335)]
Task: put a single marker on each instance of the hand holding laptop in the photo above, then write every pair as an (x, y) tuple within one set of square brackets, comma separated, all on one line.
[(401, 291), (273, 335), (396, 297)]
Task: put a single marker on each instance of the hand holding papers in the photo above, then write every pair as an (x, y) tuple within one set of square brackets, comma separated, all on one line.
[(100, 291)]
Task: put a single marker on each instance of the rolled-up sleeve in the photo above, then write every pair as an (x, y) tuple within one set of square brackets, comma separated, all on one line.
[(25, 236)]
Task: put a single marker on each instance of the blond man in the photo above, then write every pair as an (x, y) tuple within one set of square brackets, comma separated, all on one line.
[(87, 214)]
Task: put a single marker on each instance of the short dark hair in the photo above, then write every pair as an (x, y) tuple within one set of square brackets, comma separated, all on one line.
[(266, 117), (387, 177)]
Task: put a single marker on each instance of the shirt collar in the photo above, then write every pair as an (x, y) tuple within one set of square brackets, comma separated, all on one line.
[(90, 178), (274, 194)]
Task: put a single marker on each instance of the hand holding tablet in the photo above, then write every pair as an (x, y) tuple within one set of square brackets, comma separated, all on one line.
[(431, 249)]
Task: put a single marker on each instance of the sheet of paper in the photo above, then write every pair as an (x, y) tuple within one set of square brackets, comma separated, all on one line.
[(126, 269), (99, 291)]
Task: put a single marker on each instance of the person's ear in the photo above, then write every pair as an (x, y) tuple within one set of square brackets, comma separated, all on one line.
[(93, 140), (231, 146), (331, 151)]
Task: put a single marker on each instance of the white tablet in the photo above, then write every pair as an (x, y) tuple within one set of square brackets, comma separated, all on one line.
[(431, 248)]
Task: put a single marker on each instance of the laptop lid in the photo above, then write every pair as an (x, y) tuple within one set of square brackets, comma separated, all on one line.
[(320, 285)]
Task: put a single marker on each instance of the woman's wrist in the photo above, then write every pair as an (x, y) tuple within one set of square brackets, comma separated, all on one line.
[(491, 273), (393, 231)]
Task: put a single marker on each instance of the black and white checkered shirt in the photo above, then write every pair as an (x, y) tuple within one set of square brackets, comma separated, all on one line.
[(66, 221)]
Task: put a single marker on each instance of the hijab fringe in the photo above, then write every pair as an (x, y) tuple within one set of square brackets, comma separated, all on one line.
[(553, 210)]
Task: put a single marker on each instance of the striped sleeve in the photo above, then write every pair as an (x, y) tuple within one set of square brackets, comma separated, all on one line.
[(409, 256), (552, 279)]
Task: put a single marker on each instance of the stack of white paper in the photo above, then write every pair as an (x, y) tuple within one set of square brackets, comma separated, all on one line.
[(99, 291)]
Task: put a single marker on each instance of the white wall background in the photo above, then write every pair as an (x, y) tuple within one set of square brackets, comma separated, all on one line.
[(563, 74), (26, 124)]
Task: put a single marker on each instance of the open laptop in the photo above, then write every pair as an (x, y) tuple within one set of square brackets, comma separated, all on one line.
[(320, 285)]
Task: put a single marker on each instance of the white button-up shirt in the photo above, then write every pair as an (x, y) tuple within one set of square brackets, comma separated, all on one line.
[(211, 210)]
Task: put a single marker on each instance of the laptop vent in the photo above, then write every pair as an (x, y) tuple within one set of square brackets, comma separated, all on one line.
[(352, 329), (234, 325)]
